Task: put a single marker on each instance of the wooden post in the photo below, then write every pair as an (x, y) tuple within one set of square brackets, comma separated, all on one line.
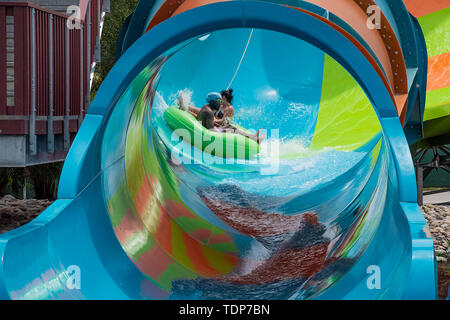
[(88, 58), (80, 117), (67, 109), (25, 179), (50, 134), (419, 177), (32, 134)]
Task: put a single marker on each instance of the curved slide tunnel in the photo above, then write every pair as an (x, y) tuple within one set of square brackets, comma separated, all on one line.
[(326, 210)]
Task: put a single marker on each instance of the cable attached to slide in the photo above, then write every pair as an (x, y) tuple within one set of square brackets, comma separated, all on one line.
[(242, 58)]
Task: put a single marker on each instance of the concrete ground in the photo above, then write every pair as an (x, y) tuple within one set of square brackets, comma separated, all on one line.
[(436, 198)]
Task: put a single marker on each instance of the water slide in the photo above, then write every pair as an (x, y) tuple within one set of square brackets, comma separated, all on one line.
[(326, 210), (434, 21), (433, 149)]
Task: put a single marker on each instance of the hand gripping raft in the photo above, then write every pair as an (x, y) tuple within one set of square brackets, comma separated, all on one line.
[(220, 144)]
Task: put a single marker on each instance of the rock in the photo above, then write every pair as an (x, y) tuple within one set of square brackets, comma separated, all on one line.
[(441, 259), (18, 211), (6, 215), (438, 219), (9, 198)]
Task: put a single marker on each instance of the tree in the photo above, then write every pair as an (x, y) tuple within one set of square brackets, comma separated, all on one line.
[(120, 10), (45, 179)]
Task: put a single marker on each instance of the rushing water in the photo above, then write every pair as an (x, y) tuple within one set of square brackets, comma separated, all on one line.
[(293, 212), (287, 223)]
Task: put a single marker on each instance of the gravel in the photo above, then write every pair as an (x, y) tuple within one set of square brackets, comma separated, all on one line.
[(15, 213), (438, 218)]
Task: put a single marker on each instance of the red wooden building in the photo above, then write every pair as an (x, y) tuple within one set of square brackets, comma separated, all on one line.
[(48, 51)]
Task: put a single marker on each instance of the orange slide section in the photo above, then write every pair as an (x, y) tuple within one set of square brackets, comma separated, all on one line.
[(171, 8), (438, 72), (419, 8)]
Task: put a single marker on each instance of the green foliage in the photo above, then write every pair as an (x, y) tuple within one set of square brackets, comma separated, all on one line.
[(42, 181), (45, 179), (11, 181), (120, 10)]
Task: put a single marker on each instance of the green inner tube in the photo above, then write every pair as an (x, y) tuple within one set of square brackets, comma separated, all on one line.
[(220, 144)]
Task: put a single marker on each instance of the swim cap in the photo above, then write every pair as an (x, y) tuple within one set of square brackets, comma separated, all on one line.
[(213, 96)]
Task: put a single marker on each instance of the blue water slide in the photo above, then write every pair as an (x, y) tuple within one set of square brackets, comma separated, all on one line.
[(360, 231)]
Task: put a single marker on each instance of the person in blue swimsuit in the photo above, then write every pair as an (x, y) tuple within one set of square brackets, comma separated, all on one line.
[(218, 114), (225, 116)]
